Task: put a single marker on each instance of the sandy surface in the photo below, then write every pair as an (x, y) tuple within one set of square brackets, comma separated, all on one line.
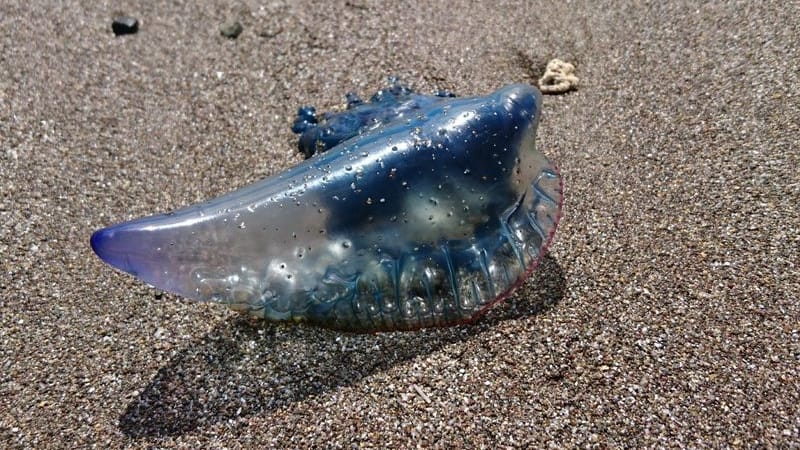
[(667, 313)]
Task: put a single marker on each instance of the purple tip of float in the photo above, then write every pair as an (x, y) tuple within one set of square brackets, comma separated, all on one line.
[(142, 248), (102, 242), (118, 248), (125, 247)]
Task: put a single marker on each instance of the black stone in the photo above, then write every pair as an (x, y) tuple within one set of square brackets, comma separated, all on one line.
[(125, 25), (231, 30)]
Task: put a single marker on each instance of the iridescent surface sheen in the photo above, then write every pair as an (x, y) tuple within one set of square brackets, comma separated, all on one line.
[(423, 211)]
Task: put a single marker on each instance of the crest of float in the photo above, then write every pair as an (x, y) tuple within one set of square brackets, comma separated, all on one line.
[(417, 211)]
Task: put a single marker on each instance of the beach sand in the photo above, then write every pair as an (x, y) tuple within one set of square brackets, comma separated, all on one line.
[(667, 313)]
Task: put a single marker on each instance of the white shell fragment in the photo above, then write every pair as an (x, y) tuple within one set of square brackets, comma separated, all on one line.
[(559, 77)]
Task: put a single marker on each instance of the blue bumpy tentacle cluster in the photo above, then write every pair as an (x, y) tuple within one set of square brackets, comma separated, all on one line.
[(321, 133), (424, 211)]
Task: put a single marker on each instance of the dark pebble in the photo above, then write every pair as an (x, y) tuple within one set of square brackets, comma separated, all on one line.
[(125, 25), (231, 30)]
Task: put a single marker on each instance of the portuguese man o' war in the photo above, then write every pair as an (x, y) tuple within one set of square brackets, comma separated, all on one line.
[(417, 211)]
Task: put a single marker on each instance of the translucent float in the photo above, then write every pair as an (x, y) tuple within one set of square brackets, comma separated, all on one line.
[(415, 211)]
